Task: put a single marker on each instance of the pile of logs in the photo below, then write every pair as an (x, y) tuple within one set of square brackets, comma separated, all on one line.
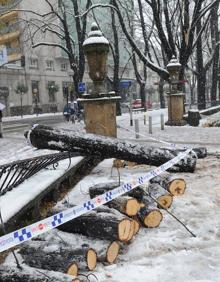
[(114, 225)]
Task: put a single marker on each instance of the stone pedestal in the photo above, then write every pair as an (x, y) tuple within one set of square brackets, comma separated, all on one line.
[(176, 109), (100, 115)]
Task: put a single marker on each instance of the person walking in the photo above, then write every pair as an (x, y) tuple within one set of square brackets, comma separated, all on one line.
[(67, 111), (1, 129)]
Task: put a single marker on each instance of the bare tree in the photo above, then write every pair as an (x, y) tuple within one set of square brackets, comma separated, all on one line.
[(176, 30), (215, 38), (57, 22)]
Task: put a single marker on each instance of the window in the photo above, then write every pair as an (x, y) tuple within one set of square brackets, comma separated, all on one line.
[(63, 66), (68, 92), (65, 86), (49, 65), (35, 91), (33, 63), (52, 89)]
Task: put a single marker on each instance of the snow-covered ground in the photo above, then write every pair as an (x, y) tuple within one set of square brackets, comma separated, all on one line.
[(169, 252)]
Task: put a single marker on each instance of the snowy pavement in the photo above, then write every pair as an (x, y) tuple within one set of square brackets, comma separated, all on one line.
[(169, 252)]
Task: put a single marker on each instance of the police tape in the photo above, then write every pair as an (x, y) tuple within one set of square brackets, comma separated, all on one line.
[(27, 233)]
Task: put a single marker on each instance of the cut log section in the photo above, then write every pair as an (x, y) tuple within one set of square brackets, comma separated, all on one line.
[(163, 197), (9, 274), (149, 215), (132, 231), (64, 259), (102, 225), (126, 205), (176, 186), (44, 137), (108, 252), (136, 226)]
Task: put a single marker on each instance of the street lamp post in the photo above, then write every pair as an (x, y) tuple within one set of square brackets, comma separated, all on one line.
[(175, 98)]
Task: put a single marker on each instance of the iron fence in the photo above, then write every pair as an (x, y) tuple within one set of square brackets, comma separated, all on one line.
[(13, 174)]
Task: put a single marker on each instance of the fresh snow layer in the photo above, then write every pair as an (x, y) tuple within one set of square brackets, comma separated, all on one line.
[(32, 187), (169, 252)]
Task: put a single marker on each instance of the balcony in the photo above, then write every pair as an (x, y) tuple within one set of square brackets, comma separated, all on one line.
[(11, 51), (9, 29), (9, 37), (14, 57), (9, 16)]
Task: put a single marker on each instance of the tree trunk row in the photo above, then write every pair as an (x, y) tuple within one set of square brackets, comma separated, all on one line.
[(43, 137)]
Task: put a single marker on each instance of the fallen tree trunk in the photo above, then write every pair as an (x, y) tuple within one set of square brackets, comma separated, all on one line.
[(201, 152), (44, 137), (62, 259), (13, 274), (175, 186), (102, 225)]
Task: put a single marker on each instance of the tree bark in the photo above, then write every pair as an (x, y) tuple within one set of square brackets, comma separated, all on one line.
[(108, 253), (163, 197), (215, 38), (161, 93), (12, 274), (102, 188), (124, 204), (62, 259), (149, 215), (43, 137), (175, 186), (201, 77), (201, 152), (100, 224)]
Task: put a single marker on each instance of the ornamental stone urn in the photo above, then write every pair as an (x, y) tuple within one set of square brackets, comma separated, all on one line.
[(96, 48), (99, 106), (175, 98)]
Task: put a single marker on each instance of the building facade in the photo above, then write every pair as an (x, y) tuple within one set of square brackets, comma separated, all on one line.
[(40, 79)]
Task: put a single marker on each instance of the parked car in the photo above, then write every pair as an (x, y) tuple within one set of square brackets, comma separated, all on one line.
[(136, 104)]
